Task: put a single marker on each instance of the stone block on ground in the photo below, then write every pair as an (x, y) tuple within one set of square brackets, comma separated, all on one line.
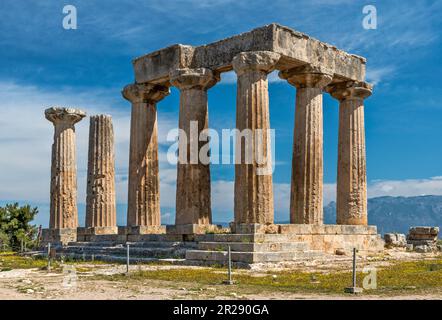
[(395, 239), (423, 233)]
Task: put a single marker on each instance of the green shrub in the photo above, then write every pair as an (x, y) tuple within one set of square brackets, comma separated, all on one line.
[(15, 226)]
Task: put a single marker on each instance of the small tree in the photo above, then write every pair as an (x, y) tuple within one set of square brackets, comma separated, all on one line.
[(15, 224), (4, 241)]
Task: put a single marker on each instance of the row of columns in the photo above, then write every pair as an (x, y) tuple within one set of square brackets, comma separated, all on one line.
[(253, 199), (100, 198)]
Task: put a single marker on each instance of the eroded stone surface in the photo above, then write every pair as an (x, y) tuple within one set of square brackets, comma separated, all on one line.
[(423, 239), (100, 198), (294, 47), (253, 202), (306, 201), (351, 202), (395, 239), (63, 207), (193, 203), (144, 189)]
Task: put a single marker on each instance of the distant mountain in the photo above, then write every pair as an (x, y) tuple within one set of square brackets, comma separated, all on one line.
[(397, 214)]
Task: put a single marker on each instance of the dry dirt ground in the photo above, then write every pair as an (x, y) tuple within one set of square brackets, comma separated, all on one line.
[(86, 284)]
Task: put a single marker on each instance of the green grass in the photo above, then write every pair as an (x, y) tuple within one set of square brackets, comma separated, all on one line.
[(10, 261), (401, 277)]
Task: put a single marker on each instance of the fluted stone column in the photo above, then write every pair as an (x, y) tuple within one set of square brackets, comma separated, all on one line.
[(63, 204), (253, 203), (100, 200), (193, 204), (351, 204), (306, 200), (144, 186)]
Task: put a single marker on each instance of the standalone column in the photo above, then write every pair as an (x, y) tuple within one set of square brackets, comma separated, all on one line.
[(253, 176), (351, 205), (63, 208), (193, 205), (306, 200), (144, 186), (100, 200)]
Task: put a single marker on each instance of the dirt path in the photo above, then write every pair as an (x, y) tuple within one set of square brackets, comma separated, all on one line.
[(36, 284)]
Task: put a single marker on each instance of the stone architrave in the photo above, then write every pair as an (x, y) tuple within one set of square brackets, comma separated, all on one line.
[(306, 199), (253, 202)]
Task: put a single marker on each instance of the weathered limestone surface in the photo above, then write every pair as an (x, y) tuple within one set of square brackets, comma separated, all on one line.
[(63, 207), (423, 239), (193, 204), (144, 192), (395, 239), (100, 198), (306, 202), (351, 203), (253, 180), (304, 62), (295, 48)]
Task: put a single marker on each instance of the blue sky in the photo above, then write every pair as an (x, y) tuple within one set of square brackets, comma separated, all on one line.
[(41, 64)]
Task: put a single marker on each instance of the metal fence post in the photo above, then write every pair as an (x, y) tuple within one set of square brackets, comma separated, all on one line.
[(353, 289), (229, 266), (49, 256), (127, 259)]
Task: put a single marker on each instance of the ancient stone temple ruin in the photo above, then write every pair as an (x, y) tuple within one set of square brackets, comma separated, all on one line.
[(312, 68)]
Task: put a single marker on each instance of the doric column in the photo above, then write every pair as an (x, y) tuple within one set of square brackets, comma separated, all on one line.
[(306, 200), (253, 177), (100, 199), (144, 185), (351, 204), (63, 210), (193, 205)]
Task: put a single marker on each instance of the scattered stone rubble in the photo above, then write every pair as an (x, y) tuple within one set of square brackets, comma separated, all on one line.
[(419, 239)]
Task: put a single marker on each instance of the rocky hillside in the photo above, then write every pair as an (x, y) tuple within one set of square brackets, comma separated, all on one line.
[(397, 214)]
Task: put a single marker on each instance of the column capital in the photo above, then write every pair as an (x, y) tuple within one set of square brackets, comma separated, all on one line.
[(264, 61), (145, 92), (307, 76), (200, 78), (62, 114), (350, 90)]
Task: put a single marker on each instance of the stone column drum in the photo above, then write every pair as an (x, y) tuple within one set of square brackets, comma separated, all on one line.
[(306, 201), (143, 213), (101, 213), (253, 202), (193, 205), (351, 204), (63, 203)]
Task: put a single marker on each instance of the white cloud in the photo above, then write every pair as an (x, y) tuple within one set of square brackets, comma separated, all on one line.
[(405, 188), (26, 138), (376, 75), (230, 77)]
